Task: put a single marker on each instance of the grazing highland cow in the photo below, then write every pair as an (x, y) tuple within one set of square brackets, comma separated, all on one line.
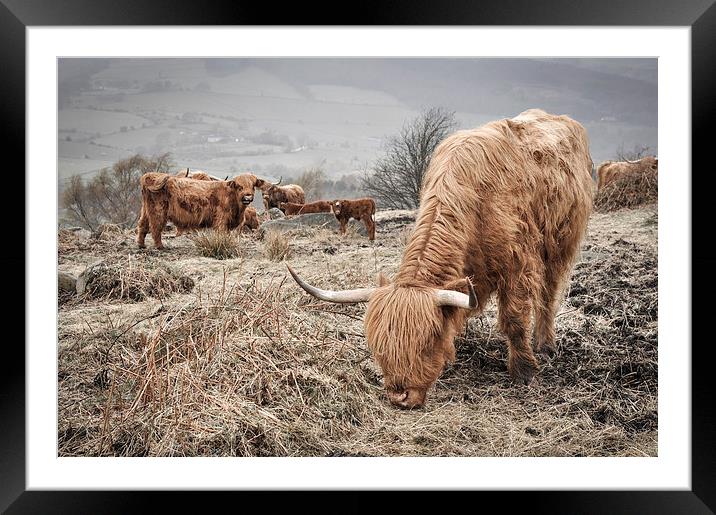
[(274, 194), (191, 204), (291, 208), (503, 209), (362, 209), (610, 171), (250, 220)]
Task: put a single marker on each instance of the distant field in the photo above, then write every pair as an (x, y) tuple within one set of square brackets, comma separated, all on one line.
[(92, 121)]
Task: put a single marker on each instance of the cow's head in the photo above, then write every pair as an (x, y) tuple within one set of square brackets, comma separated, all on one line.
[(336, 206), (410, 331), (243, 186)]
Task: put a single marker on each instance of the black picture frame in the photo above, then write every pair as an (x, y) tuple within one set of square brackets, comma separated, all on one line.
[(699, 15)]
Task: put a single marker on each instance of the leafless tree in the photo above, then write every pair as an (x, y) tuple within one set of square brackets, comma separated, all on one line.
[(113, 195), (396, 179), (636, 153)]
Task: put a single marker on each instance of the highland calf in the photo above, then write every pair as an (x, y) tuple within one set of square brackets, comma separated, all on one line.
[(362, 209), (503, 209), (250, 220), (610, 171), (191, 204), (291, 208)]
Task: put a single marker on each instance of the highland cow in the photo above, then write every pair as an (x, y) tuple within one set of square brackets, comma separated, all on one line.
[(197, 176), (191, 204), (291, 208), (362, 209), (503, 209), (610, 171), (273, 194)]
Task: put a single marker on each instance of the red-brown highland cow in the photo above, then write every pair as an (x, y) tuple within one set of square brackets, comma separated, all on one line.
[(610, 171), (191, 204), (251, 219), (197, 176), (291, 208), (362, 209), (274, 194), (503, 209)]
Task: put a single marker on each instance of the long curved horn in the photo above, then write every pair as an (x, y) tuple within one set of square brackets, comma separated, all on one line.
[(213, 177), (633, 162), (279, 181), (187, 172), (342, 296), (456, 298), (226, 178)]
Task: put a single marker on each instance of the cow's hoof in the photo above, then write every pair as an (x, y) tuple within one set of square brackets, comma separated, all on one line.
[(522, 372), (548, 351)]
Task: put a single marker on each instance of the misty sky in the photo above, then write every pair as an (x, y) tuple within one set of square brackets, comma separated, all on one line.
[(276, 116)]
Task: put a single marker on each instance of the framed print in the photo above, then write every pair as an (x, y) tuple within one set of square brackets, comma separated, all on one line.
[(189, 357)]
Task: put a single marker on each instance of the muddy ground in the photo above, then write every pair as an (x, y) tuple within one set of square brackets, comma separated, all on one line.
[(234, 359)]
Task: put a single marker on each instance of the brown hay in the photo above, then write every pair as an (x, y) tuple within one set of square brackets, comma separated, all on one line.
[(254, 367), (276, 246), (67, 241), (634, 188), (216, 244), (134, 278)]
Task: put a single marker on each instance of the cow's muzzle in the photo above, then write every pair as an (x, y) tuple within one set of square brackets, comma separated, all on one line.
[(247, 199), (410, 398)]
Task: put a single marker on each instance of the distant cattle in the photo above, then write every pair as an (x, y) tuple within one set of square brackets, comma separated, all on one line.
[(191, 204), (610, 171), (274, 194), (362, 209), (251, 219), (291, 208), (503, 209)]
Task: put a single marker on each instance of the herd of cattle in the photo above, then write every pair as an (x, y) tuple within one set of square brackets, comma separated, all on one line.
[(197, 200), (503, 210)]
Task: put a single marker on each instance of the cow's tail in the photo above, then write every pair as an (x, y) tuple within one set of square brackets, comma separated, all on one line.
[(154, 182)]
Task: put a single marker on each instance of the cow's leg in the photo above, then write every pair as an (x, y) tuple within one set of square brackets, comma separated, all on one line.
[(545, 310), (514, 320), (370, 226), (343, 226), (142, 228), (156, 226)]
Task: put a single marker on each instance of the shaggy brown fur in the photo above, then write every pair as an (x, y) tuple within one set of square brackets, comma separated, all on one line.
[(274, 195), (250, 220), (198, 176), (362, 209), (191, 204), (506, 204), (291, 208), (610, 171)]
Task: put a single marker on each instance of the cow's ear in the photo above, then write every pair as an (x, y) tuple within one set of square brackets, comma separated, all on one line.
[(233, 183), (382, 279)]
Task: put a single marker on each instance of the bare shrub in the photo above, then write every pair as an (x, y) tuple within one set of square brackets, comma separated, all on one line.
[(312, 181), (397, 178), (216, 244), (276, 246), (113, 195)]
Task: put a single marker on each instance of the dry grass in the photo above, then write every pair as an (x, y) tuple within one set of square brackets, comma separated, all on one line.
[(216, 244), (630, 190), (134, 278), (248, 365), (276, 246)]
